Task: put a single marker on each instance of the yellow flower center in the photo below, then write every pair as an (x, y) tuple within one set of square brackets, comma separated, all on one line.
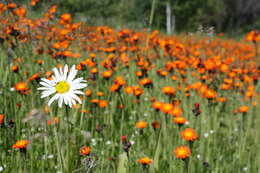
[(62, 87)]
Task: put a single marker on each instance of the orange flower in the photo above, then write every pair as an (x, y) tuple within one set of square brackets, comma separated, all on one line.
[(92, 55), (210, 94), (145, 161), (253, 36), (189, 134), (102, 103), (35, 76), (95, 101), (107, 74), (94, 70), (141, 124), (120, 106), (157, 105), (162, 73), (11, 5), (146, 82), (166, 108), (2, 117), (152, 99), (128, 89), (88, 92), (33, 2), (79, 67), (40, 61), (20, 144), (54, 120), (84, 150), (179, 120), (120, 81), (114, 88), (99, 93), (254, 103), (20, 12), (48, 74), (21, 87), (2, 7), (182, 152), (168, 90), (176, 111), (155, 125), (138, 91), (222, 99), (15, 68), (243, 109), (139, 74), (224, 68), (65, 18), (174, 77)]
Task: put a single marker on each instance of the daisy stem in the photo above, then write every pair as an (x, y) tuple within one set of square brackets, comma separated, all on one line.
[(67, 134)]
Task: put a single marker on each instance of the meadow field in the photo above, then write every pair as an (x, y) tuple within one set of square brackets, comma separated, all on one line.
[(141, 101)]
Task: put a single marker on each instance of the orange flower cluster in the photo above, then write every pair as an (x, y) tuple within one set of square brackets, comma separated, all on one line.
[(110, 50), (253, 36), (209, 69)]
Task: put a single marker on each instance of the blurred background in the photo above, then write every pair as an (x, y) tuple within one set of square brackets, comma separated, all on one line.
[(233, 17)]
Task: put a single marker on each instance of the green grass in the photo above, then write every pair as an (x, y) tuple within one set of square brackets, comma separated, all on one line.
[(227, 142)]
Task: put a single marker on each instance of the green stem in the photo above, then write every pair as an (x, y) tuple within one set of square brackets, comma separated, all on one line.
[(186, 161), (152, 13), (67, 136), (256, 49)]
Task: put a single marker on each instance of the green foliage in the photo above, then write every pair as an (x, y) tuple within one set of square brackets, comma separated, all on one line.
[(224, 15)]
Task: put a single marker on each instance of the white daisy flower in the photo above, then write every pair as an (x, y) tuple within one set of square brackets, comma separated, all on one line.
[(64, 86)]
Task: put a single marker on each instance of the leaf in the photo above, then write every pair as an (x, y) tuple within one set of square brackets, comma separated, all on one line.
[(121, 168), (157, 154)]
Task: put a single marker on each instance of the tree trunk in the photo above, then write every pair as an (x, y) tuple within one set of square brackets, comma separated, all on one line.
[(168, 18), (173, 23)]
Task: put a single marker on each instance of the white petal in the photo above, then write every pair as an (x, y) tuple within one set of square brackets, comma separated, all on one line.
[(45, 84), (73, 102), (55, 79), (47, 93), (50, 82), (75, 97), (69, 101), (72, 74), (60, 101), (80, 86), (66, 101), (62, 75), (78, 80), (77, 92), (55, 97), (45, 88), (65, 72), (56, 73)]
